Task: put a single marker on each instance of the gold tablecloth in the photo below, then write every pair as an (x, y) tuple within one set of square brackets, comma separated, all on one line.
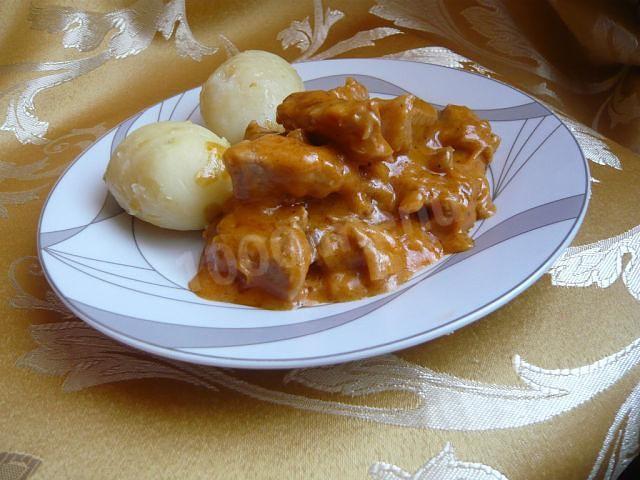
[(548, 385)]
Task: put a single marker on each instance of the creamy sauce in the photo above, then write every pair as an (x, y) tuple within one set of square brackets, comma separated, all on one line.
[(355, 197)]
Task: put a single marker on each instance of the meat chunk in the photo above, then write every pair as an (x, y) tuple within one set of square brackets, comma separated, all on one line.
[(254, 130), (345, 117), (357, 246), (423, 116), (452, 206), (351, 90), (275, 166), (263, 248), (405, 120), (471, 137), (357, 257)]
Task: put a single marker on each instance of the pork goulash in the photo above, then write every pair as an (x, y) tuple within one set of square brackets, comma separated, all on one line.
[(350, 200)]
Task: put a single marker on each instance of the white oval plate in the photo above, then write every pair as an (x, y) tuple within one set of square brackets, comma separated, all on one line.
[(129, 279)]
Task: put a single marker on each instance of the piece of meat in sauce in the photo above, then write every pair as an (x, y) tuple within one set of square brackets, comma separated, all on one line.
[(344, 116), (277, 166), (405, 121), (453, 202), (255, 130), (446, 176), (358, 258), (471, 138), (261, 247)]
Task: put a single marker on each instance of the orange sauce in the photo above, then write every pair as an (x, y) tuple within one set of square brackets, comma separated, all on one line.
[(351, 200)]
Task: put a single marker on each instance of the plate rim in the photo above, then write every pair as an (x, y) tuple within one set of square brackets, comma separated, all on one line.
[(352, 355)]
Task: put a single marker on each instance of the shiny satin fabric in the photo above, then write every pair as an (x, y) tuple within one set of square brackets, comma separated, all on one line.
[(546, 387)]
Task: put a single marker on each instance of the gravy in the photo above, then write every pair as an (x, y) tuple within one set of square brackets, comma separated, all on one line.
[(351, 200)]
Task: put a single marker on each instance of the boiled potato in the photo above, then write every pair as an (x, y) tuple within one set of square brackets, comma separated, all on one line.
[(248, 86), (170, 174)]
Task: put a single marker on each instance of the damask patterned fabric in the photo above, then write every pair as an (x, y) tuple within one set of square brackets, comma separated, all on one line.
[(546, 387)]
